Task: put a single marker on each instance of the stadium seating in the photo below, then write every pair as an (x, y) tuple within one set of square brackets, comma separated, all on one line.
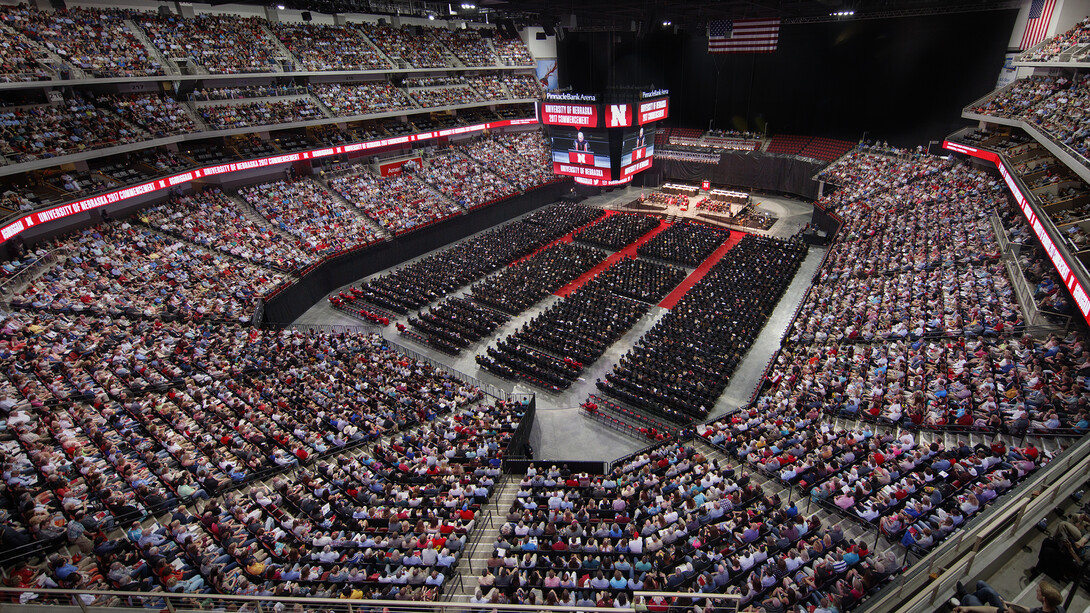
[(1051, 49), (788, 145)]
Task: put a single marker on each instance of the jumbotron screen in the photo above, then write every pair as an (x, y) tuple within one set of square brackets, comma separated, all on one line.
[(604, 144)]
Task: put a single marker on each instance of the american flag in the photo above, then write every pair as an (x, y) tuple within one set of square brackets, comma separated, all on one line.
[(743, 35), (1040, 16)]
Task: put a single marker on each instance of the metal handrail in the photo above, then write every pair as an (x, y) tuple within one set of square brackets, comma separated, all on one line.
[(7, 286)]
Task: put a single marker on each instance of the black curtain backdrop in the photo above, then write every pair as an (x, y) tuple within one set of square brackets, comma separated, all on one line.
[(752, 171), (902, 79)]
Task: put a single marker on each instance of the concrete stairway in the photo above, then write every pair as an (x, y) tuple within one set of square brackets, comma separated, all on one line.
[(479, 548)]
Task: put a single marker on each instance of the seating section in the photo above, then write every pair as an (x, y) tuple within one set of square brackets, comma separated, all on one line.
[(512, 51), (1056, 105), (685, 243), (464, 181), (126, 270), (826, 149), (97, 42), (425, 281), (1051, 49), (672, 519), (162, 426), (351, 99), (324, 224), (788, 145), (529, 280), (616, 231), (403, 46), (555, 347), (76, 125), (321, 47), (220, 44), (214, 221), (467, 45), (679, 368), (264, 113), (21, 59), (398, 203), (441, 91), (912, 492)]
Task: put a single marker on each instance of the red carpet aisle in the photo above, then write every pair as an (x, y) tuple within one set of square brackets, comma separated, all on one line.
[(627, 252), (564, 239), (673, 297)]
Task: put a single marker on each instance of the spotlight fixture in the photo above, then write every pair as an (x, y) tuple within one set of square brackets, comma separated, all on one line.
[(469, 6), (667, 23), (842, 14)]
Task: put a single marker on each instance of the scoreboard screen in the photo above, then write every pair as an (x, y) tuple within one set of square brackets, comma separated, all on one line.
[(603, 143), (638, 144)]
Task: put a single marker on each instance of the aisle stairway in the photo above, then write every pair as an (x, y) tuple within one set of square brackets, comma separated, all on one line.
[(479, 548)]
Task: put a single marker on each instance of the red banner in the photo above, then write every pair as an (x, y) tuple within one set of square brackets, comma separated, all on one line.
[(636, 167), (577, 115), (30, 220), (394, 168), (653, 110)]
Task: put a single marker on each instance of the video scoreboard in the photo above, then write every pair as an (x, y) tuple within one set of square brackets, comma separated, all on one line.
[(602, 143)]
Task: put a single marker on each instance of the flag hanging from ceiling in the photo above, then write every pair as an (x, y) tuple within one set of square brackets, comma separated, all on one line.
[(1040, 16), (743, 35)]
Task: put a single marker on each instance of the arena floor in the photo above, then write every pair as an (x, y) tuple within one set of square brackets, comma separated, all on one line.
[(560, 432)]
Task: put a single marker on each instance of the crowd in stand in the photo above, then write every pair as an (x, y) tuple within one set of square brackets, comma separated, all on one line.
[(670, 520), (444, 96), (397, 203), (213, 220), (1079, 34), (132, 448), (20, 59), (912, 492), (75, 125), (679, 368), (1055, 103), (157, 115), (521, 158), (429, 279), (863, 172), (306, 210), (95, 41), (321, 47), (101, 43), (467, 45), (512, 51), (402, 44), (505, 86), (251, 91), (264, 113), (616, 231), (463, 180), (685, 242), (123, 269), (350, 99), (221, 44)]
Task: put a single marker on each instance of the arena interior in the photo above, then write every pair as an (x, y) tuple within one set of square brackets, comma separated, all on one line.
[(361, 305)]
